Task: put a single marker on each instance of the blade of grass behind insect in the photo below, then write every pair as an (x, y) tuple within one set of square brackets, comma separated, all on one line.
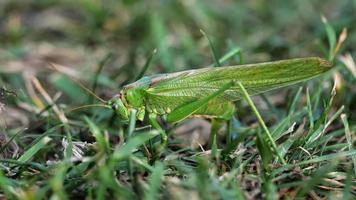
[(46, 108), (142, 163), (291, 140), (268, 187), (7, 186), (231, 147), (102, 143), (202, 179), (154, 182), (79, 169), (330, 135), (328, 157), (69, 150), (328, 124), (126, 150), (223, 192), (348, 184), (233, 184), (101, 65), (37, 144), (105, 179), (349, 139), (317, 177), (214, 146), (68, 87), (57, 181), (310, 111), (270, 106), (260, 120), (281, 126), (331, 35), (264, 151), (108, 181), (147, 65), (240, 59), (34, 165), (287, 128), (215, 57), (316, 95), (159, 36), (230, 54), (11, 139), (28, 154), (317, 133), (319, 123), (295, 101), (233, 52), (131, 128)]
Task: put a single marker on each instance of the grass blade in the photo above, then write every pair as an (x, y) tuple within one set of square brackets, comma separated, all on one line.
[(126, 150), (295, 101), (310, 111), (103, 144), (262, 123), (349, 139), (154, 182), (147, 65), (216, 60), (328, 157), (331, 35), (101, 65), (34, 149), (314, 180)]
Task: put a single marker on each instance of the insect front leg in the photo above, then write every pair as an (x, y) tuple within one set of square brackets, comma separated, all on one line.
[(153, 120)]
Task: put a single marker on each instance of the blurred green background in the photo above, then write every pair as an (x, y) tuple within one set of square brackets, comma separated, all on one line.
[(264, 30), (81, 34), (105, 44)]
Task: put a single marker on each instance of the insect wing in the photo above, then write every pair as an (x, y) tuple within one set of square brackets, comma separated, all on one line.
[(256, 78)]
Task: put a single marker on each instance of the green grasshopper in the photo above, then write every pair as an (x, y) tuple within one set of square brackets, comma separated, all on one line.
[(208, 92)]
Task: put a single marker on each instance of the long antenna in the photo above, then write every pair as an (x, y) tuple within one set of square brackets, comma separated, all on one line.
[(55, 67), (86, 106)]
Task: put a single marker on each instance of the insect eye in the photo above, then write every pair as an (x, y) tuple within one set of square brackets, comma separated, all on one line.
[(114, 107)]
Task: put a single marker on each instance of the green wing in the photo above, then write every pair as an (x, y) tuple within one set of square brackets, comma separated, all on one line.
[(257, 78)]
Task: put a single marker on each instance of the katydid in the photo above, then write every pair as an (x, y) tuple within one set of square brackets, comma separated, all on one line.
[(208, 92)]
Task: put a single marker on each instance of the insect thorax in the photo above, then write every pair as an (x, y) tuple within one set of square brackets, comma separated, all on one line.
[(133, 99)]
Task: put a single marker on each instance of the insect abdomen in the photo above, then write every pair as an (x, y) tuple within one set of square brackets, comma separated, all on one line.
[(217, 109)]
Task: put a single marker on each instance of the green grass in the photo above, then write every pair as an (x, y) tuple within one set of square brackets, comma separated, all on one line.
[(295, 142)]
